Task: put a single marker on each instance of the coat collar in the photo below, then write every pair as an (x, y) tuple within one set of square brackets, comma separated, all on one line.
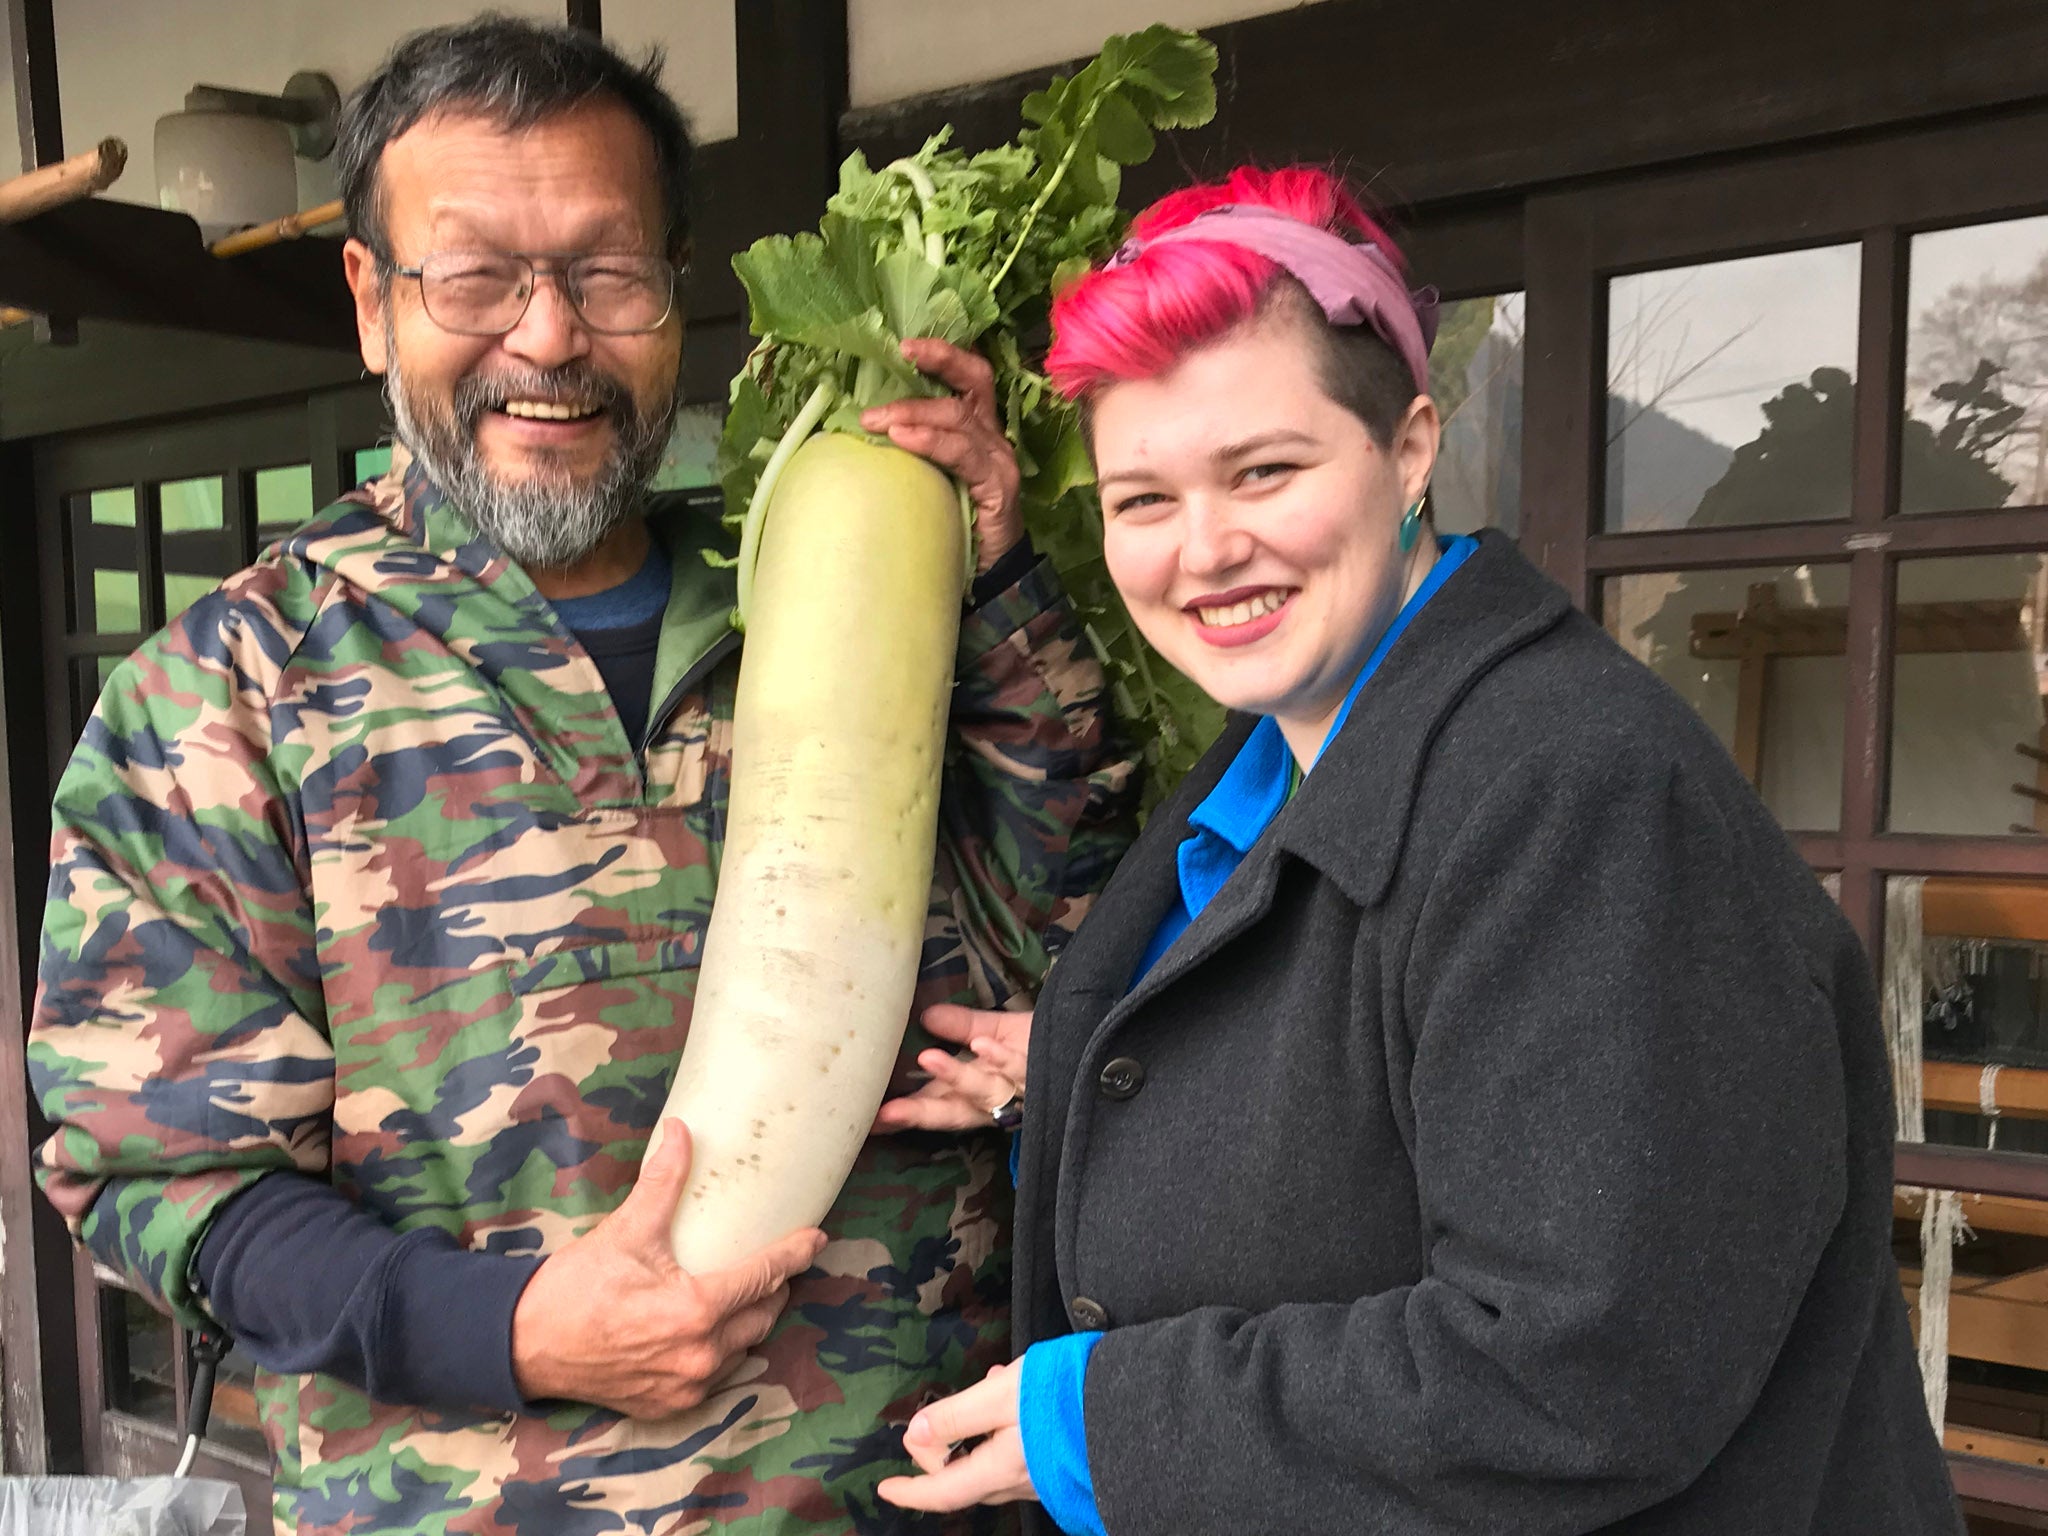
[(1351, 813)]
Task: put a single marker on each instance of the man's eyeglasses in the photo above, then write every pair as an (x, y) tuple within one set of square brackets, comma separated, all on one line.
[(486, 293)]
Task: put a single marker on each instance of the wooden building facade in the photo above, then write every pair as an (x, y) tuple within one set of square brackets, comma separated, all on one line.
[(1748, 345)]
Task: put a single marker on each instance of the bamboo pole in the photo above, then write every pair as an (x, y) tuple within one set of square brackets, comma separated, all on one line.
[(288, 228), (34, 192), (9, 315)]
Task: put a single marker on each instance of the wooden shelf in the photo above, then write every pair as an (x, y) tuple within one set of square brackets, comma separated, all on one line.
[(1951, 907), (2021, 1092), (1962, 1439)]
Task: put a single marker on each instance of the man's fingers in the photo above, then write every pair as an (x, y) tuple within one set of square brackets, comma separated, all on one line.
[(953, 449), (750, 1325), (650, 1205), (967, 372), (760, 1275)]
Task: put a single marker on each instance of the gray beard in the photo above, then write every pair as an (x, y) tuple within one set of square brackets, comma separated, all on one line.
[(549, 520)]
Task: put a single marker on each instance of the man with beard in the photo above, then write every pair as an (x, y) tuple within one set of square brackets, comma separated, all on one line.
[(380, 880)]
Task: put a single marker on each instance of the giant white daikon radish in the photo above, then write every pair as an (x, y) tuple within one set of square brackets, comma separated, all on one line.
[(851, 563), (838, 733)]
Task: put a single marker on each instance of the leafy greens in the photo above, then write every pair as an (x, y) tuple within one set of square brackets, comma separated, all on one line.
[(971, 248)]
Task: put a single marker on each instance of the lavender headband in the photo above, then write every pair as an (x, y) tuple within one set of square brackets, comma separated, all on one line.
[(1353, 284)]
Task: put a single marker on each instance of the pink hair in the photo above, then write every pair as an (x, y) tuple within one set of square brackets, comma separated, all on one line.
[(1137, 321)]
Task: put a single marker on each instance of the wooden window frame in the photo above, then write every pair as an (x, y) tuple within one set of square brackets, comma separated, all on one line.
[(1877, 193)]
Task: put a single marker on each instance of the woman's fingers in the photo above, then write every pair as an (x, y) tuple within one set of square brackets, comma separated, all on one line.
[(927, 1111), (999, 1056), (992, 1473), (970, 1080)]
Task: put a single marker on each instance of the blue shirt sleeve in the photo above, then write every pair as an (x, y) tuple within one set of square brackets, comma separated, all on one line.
[(1049, 1409), (306, 1280)]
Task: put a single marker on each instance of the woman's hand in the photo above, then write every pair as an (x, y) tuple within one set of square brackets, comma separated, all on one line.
[(961, 434), (993, 1472), (965, 1090)]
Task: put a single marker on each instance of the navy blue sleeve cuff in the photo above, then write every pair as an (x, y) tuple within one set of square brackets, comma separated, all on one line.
[(306, 1280), (1011, 567)]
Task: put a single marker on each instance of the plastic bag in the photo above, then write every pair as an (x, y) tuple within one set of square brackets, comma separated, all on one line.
[(109, 1506)]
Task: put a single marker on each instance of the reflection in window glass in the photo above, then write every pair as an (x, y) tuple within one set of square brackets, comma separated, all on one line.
[(116, 602), (1475, 376), (1976, 428), (1759, 652), (372, 462), (284, 497), (687, 463), (190, 506), (1731, 391), (115, 508), (105, 665), (1967, 739)]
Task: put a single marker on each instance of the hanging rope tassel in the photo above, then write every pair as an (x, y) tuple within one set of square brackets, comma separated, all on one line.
[(1941, 1229), (1941, 1212)]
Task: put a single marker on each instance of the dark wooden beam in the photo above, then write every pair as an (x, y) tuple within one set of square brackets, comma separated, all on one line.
[(587, 15), (1422, 104), (122, 261), (791, 63), (124, 373), (773, 178), (39, 1427), (32, 55)]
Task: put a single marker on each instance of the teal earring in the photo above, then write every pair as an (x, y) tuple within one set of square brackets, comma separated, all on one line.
[(1411, 525)]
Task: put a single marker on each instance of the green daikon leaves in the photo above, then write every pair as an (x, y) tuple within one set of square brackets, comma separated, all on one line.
[(971, 248)]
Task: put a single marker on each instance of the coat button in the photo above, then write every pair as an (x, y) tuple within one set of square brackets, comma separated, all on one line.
[(1089, 1315), (1122, 1079)]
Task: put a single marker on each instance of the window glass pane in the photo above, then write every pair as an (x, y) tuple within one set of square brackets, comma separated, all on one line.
[(115, 508), (234, 1422), (1976, 429), (1967, 738), (104, 667), (1964, 963), (1731, 391), (372, 462), (136, 1358), (190, 505), (182, 589), (686, 463), (1759, 653), (284, 497), (116, 602), (1475, 375)]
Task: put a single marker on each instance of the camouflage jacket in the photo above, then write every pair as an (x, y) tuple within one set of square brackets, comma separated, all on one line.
[(355, 872)]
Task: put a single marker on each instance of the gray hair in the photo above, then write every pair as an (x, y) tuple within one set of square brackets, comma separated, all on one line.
[(515, 73)]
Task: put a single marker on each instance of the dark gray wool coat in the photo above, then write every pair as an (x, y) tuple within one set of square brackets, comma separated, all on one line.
[(1506, 1149)]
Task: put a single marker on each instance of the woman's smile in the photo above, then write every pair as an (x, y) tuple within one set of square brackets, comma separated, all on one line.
[(1239, 616)]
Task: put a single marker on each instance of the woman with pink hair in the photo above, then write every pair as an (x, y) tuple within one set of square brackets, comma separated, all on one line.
[(1463, 1111)]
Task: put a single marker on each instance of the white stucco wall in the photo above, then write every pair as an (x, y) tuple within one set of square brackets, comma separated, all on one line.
[(899, 48), (122, 65)]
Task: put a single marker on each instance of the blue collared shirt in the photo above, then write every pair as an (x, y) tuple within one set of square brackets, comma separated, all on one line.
[(1230, 819), (1252, 790)]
